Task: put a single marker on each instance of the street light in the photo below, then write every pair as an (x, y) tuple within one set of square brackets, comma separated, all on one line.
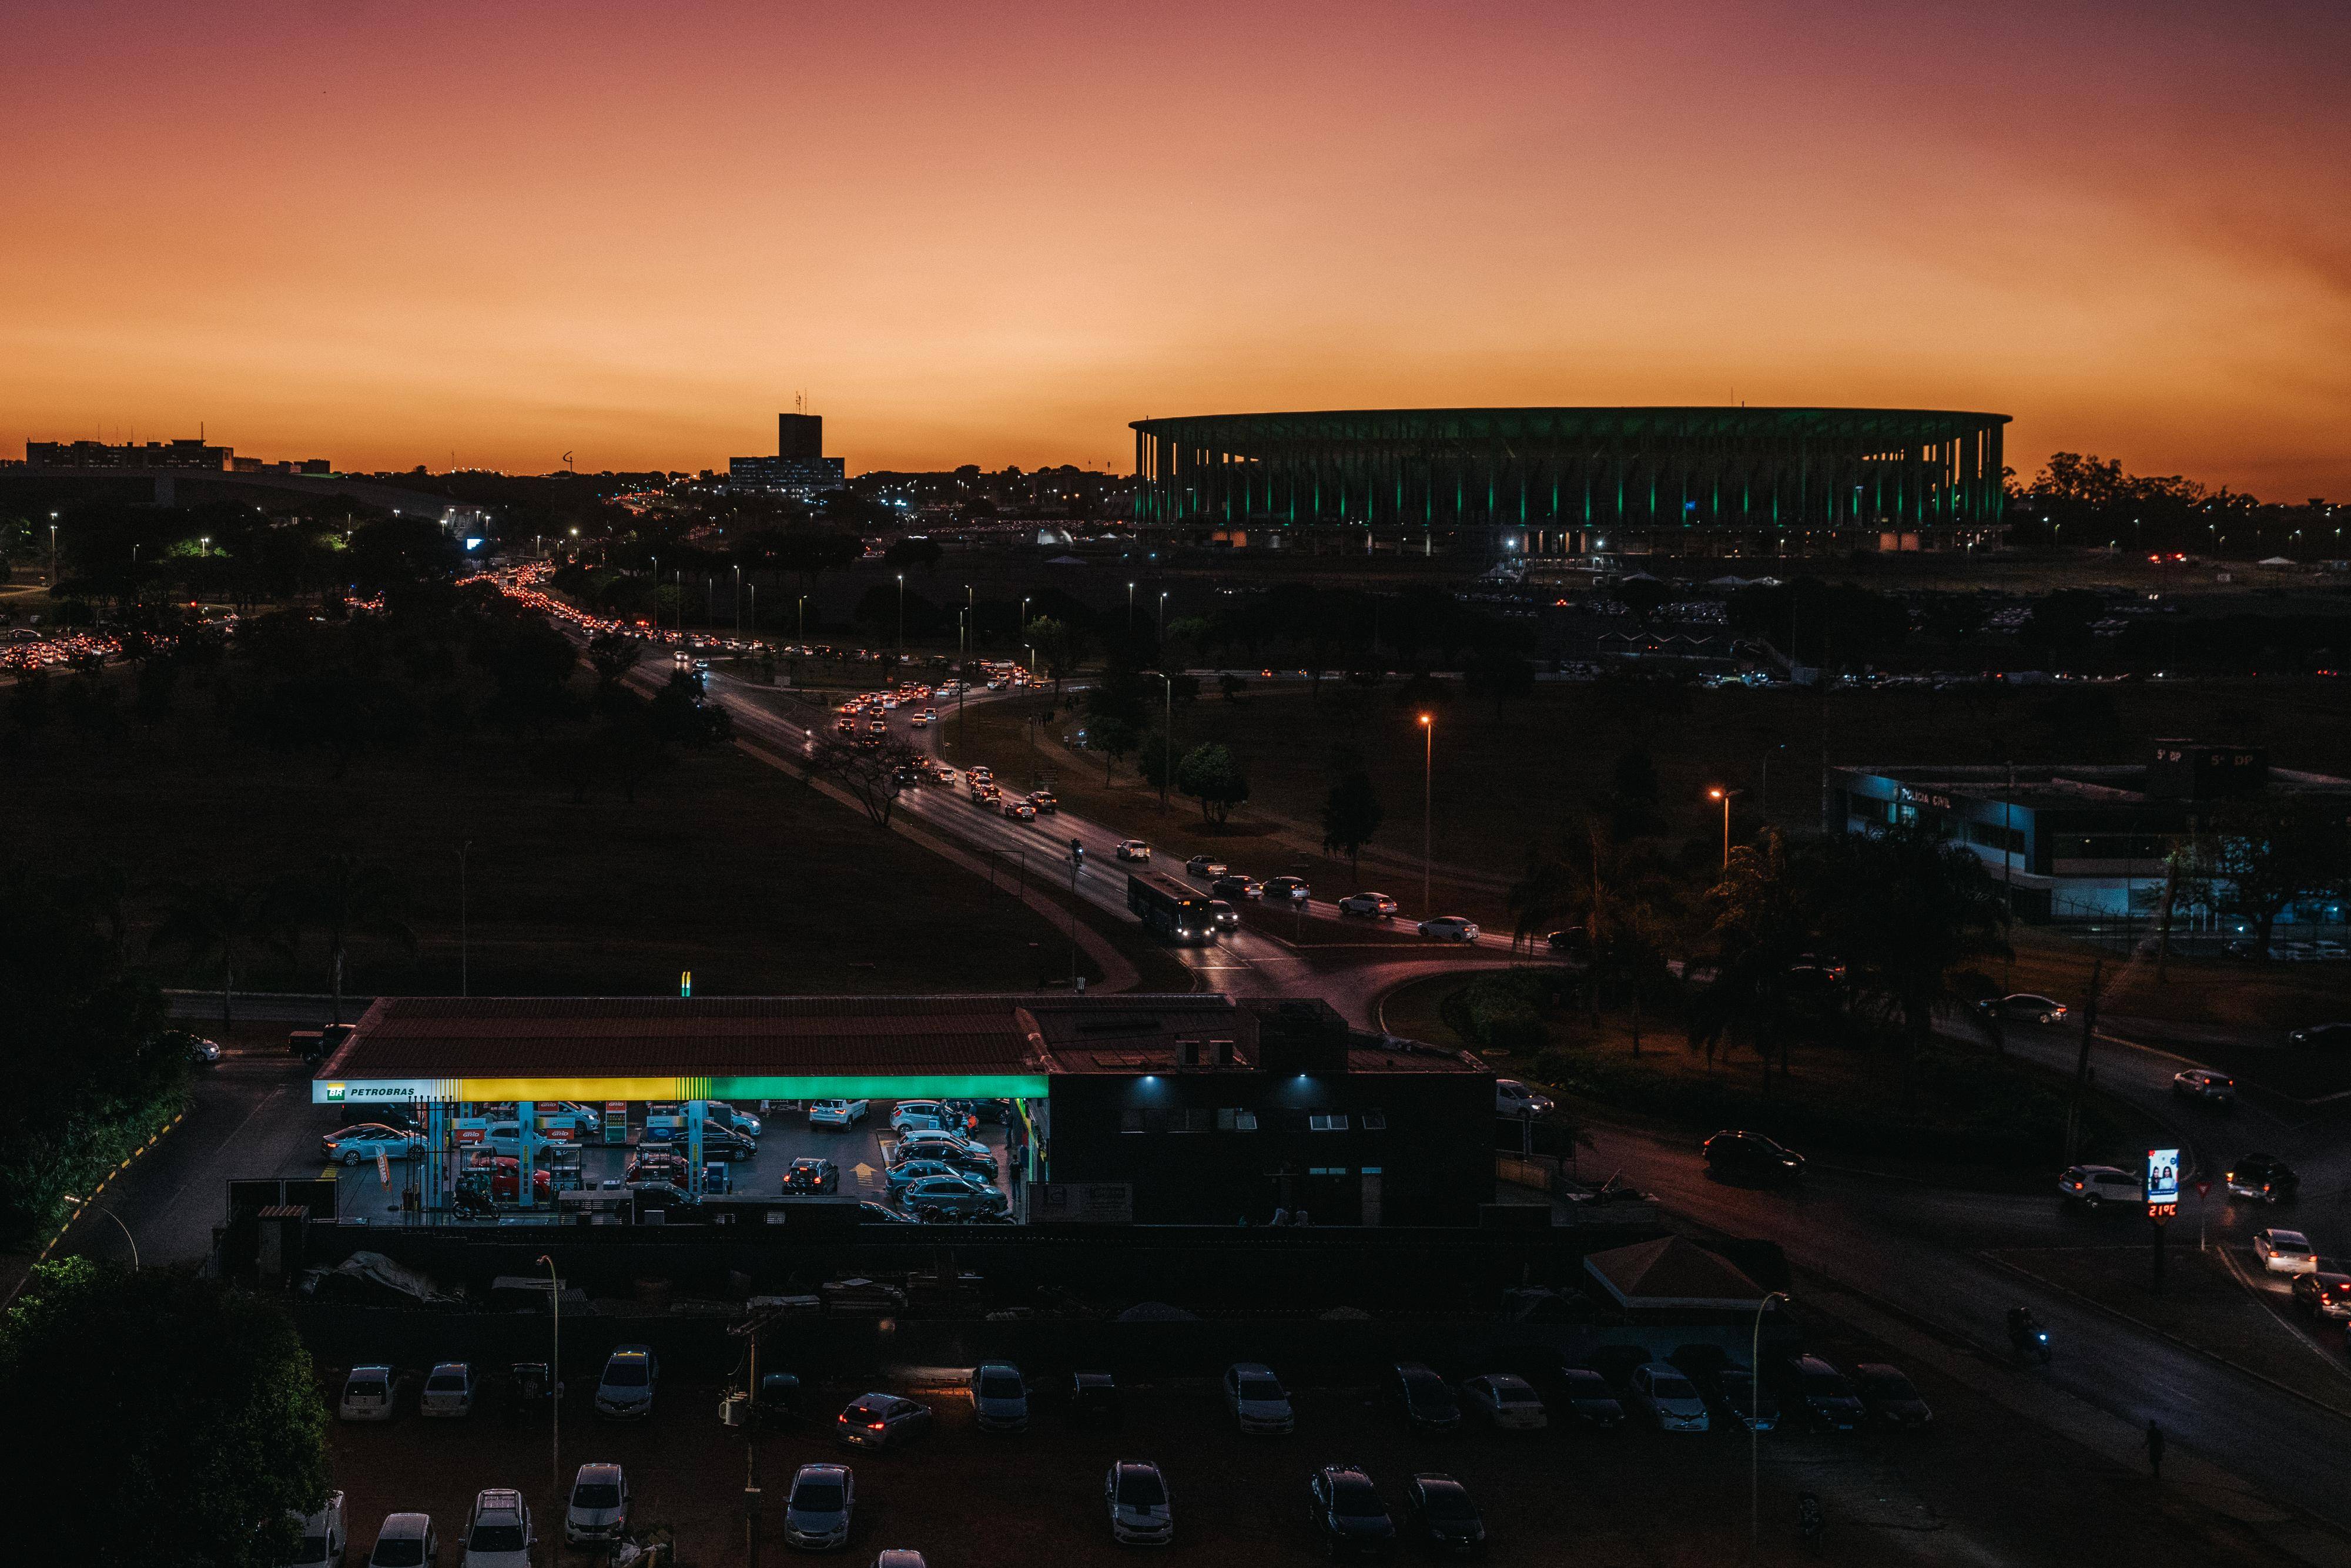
[(1754, 1419), (1130, 609), (902, 612), (1427, 807), (1167, 735), (554, 1387), (1724, 796), (85, 1203), (1163, 615)]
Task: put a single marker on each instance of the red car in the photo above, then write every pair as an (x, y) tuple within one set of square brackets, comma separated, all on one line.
[(505, 1179)]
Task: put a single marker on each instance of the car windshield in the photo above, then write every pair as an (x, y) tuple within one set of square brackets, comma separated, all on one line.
[(1445, 1502), (1889, 1385), (1262, 1385), (817, 1497), (312, 1550), (1001, 1389), (400, 1552), (1352, 1498), (625, 1374), (1672, 1388), (1140, 1488), (596, 1494), (495, 1538)]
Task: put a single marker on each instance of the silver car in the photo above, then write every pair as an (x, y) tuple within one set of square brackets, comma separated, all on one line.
[(406, 1540), (625, 1392), (448, 1390), (599, 1509), (1142, 1512), (817, 1511)]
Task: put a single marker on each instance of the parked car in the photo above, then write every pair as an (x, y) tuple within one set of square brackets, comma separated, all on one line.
[(1204, 865), (2322, 1037), (1671, 1400), (498, 1532), (1888, 1398), (326, 1539), (818, 1509), (507, 1138), (1505, 1402), (2211, 1088), (1093, 1396), (2263, 1178), (370, 1394), (999, 1399), (632, 1376), (898, 1557), (1439, 1514), (202, 1053), (1733, 1399), (836, 1113), (740, 1122), (2093, 1187), (1449, 929), (1237, 884), (1223, 915), (1587, 1393), (2325, 1291), (1142, 1512), (406, 1540), (1257, 1398), (1512, 1098), (937, 1145), (1574, 942), (2284, 1251), (500, 1178), (598, 1507), (931, 1116), (1369, 905), (810, 1174), (1133, 849), (1349, 1517), (1289, 889), (448, 1391), (1821, 1394), (1751, 1154), (952, 1197), (2024, 1006), (361, 1145), (880, 1421), (1428, 1404), (906, 1172)]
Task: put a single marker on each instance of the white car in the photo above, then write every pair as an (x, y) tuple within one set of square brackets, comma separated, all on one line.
[(2198, 1084), (1450, 928), (920, 721), (1133, 849), (926, 1115), (1671, 1399), (631, 1375), (818, 1509), (837, 1112), (360, 1144), (498, 1534), (369, 1393), (1141, 1512), (1370, 905), (1257, 1398), (505, 1138), (1512, 1098), (406, 1540), (880, 1421), (448, 1391), (1507, 1402), (2285, 1251), (999, 1400), (2094, 1186), (325, 1539), (898, 1557), (598, 1508)]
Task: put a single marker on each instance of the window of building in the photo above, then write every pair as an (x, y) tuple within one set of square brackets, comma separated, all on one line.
[(1375, 1120), (1130, 1121), (1237, 1119), (1326, 1170), (1328, 1121), (1191, 1120), (1372, 1170)]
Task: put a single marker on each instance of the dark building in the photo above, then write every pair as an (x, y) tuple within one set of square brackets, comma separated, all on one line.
[(186, 453), (801, 436), (799, 469), (1576, 481), (2081, 842)]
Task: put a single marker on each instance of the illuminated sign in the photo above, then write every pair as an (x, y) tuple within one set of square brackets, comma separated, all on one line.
[(2163, 1181), (862, 1086)]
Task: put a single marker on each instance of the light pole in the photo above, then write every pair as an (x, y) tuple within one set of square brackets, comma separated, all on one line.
[(554, 1389), (1724, 796), (1763, 786), (1428, 805), (1166, 737), (464, 956), (1130, 609), (1163, 615), (902, 612), (803, 635), (1754, 1418), (85, 1203), (739, 601)]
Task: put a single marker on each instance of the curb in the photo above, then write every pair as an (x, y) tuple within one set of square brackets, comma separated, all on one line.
[(2215, 1357), (103, 1183)]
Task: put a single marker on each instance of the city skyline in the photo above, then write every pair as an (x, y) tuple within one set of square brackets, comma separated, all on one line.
[(431, 236)]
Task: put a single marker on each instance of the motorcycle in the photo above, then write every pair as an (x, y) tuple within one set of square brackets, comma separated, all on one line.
[(2026, 1337), (1809, 1520)]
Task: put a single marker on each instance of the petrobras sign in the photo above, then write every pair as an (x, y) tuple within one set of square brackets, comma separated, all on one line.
[(380, 1090), (2162, 1178)]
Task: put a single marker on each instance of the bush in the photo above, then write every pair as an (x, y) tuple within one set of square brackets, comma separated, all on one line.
[(1503, 1011)]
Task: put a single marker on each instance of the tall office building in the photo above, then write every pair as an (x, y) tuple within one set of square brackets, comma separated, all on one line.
[(799, 469), (801, 435)]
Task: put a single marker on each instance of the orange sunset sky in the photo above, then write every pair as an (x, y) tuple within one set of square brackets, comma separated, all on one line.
[(386, 233)]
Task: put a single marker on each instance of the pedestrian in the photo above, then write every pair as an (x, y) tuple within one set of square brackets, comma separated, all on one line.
[(2155, 1448)]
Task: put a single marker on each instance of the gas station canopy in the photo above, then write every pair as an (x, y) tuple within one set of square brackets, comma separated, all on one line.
[(593, 1048)]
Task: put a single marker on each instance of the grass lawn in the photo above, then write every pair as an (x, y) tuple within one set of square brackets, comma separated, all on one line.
[(722, 865)]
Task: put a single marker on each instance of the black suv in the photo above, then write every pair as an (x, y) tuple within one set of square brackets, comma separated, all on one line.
[(2263, 1178), (1819, 1394), (1349, 1517), (1428, 1404), (1751, 1154)]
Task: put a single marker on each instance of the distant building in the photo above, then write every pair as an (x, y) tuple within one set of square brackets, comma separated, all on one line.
[(187, 453), (799, 469), (2076, 842)]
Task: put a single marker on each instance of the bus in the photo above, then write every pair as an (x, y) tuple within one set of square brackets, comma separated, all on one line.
[(1170, 908)]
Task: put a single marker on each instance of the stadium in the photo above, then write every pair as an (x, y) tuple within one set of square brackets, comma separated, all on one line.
[(1565, 481)]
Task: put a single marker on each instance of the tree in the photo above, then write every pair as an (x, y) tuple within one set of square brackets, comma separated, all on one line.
[(1501, 675), (1614, 894), (215, 925), (393, 552), (349, 897), (613, 654), (1059, 643), (1113, 738), (1230, 687), (869, 773), (2270, 852), (1351, 815), (1210, 775), (180, 1416), (925, 553), (1761, 927)]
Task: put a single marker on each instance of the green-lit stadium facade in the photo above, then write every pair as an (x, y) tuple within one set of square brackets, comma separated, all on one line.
[(1575, 481)]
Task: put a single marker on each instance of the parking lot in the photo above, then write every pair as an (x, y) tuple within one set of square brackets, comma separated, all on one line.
[(862, 1153), (1977, 1486)]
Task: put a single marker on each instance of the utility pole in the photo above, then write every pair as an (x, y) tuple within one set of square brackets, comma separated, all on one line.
[(1077, 860), (1427, 808), (464, 946), (2082, 1067)]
